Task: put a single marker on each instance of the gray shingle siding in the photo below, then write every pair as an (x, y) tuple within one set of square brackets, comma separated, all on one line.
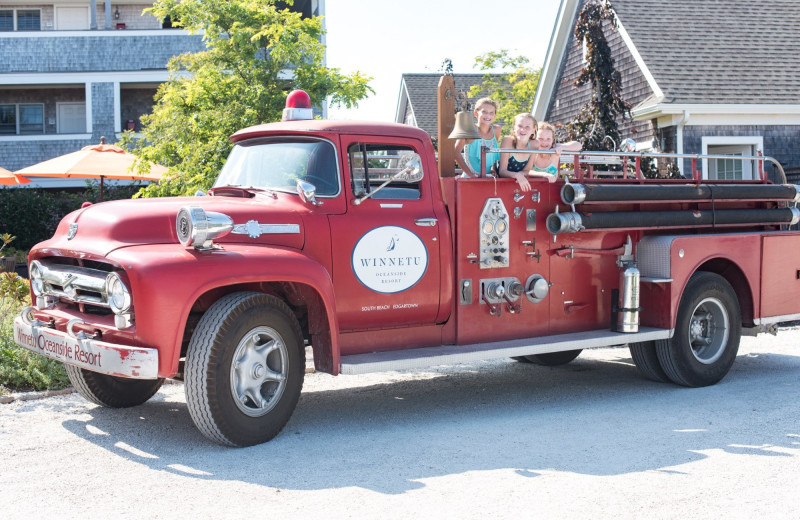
[(568, 100), (15, 155), (94, 53)]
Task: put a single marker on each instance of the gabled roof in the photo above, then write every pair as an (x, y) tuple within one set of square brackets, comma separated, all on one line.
[(419, 92), (698, 52)]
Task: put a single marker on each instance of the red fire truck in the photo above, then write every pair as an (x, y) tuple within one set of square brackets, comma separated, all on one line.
[(342, 236)]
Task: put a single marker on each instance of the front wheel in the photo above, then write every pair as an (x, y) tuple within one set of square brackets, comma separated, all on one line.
[(244, 369), (707, 333), (111, 391)]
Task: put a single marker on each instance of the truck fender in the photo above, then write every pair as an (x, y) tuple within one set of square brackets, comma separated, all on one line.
[(666, 264), (198, 278)]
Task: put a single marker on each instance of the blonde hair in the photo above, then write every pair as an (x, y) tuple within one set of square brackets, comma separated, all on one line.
[(544, 125), (485, 101), (517, 118)]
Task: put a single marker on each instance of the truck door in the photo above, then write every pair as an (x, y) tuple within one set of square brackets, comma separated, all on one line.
[(386, 247)]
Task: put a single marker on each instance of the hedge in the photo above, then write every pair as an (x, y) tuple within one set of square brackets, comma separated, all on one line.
[(32, 214)]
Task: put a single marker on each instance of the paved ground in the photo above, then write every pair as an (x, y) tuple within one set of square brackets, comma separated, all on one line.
[(487, 440)]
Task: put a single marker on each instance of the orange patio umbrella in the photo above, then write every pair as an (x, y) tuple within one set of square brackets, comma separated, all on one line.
[(103, 161), (7, 178)]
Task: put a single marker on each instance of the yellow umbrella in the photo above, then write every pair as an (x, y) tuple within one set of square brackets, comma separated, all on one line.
[(7, 178), (103, 161)]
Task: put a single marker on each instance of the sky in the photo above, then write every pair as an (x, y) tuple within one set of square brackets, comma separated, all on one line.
[(384, 39)]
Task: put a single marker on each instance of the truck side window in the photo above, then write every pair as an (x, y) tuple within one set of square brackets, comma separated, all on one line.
[(373, 164)]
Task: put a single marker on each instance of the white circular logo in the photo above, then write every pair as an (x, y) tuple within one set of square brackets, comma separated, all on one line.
[(389, 259)]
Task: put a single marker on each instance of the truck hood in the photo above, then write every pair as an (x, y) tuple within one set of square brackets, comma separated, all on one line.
[(101, 228)]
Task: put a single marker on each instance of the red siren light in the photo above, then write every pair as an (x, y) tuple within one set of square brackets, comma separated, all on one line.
[(298, 106)]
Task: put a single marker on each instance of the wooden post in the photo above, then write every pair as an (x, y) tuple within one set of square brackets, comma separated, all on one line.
[(446, 112)]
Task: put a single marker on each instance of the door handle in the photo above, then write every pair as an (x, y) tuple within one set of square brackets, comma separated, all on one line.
[(425, 221)]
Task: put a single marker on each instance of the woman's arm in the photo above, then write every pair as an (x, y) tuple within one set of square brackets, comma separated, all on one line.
[(519, 176), (460, 144)]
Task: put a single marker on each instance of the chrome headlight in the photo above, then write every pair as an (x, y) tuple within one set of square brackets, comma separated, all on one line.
[(36, 276), (197, 228), (119, 297)]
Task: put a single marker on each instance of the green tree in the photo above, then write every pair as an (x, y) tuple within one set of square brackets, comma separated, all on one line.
[(598, 118), (513, 89), (240, 80)]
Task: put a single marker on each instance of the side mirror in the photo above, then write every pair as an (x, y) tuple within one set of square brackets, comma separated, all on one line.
[(411, 170), (308, 192)]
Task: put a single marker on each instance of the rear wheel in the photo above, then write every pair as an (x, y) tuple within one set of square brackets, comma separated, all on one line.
[(110, 391), (646, 360), (244, 369), (707, 333), (552, 359)]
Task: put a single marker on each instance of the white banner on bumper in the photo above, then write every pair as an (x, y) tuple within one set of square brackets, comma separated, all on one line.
[(99, 356)]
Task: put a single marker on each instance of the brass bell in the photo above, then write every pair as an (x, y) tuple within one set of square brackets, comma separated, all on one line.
[(465, 127)]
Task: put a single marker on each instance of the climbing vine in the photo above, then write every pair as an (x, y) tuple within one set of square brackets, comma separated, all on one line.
[(598, 119)]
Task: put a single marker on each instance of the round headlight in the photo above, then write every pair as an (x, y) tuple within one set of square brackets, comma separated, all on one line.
[(119, 298), (197, 228), (36, 276)]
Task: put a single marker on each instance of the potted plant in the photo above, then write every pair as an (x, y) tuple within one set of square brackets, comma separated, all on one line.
[(7, 263)]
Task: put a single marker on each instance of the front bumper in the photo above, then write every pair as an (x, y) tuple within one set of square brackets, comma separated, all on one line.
[(85, 352)]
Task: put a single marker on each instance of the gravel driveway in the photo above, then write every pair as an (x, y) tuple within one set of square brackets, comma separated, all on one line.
[(487, 440)]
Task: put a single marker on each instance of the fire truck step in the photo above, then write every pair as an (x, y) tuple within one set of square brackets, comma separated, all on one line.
[(454, 354)]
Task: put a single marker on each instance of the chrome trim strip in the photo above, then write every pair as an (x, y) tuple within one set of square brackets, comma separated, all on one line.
[(454, 354), (776, 319), (254, 229)]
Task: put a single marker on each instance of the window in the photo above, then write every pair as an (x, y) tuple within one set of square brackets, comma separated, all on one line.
[(29, 20), (6, 20), (20, 19), (277, 164), (23, 119), (8, 119), (372, 165), (732, 146)]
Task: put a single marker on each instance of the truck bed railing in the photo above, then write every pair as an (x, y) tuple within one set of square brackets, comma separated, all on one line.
[(634, 159)]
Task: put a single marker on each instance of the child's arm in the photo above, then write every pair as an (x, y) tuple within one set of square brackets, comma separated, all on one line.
[(460, 144)]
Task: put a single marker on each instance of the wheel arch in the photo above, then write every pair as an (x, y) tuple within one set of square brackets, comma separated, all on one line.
[(307, 302), (738, 281)]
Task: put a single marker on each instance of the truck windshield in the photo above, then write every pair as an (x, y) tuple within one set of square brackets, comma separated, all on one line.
[(277, 164)]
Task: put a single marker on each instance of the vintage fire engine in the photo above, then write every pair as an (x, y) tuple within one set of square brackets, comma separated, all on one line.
[(342, 236)]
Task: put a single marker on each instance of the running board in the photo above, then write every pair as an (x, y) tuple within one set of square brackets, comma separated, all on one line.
[(455, 354)]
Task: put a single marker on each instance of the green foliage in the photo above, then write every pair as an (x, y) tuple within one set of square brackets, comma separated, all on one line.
[(598, 118), (21, 369), (33, 214), (238, 81), (513, 90), (6, 238)]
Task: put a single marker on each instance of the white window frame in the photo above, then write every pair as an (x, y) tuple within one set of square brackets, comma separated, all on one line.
[(17, 119), (88, 14), (14, 18), (730, 140), (58, 114)]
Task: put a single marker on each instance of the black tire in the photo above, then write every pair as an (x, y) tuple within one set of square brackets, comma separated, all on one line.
[(245, 366), (110, 391), (552, 359), (521, 359), (646, 360), (707, 333)]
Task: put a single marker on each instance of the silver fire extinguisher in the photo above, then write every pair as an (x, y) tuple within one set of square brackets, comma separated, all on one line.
[(628, 312)]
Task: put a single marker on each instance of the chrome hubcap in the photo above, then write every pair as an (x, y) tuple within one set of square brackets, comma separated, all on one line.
[(259, 370), (709, 329)]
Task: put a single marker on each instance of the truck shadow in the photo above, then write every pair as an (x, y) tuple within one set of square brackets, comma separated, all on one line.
[(594, 416)]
